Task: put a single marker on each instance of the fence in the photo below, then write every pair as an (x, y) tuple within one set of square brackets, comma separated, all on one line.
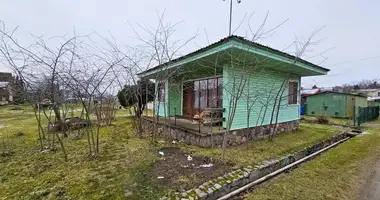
[(366, 114)]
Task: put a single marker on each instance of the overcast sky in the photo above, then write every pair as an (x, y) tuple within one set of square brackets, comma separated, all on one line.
[(352, 26)]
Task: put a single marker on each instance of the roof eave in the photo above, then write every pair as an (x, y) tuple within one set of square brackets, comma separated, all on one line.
[(239, 43)]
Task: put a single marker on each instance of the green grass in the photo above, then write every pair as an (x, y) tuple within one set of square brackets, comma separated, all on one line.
[(124, 164), (337, 174), (282, 144), (340, 121), (124, 160)]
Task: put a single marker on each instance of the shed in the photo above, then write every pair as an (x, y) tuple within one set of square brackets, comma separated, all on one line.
[(334, 104)]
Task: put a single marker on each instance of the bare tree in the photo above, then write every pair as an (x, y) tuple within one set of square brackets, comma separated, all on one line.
[(56, 69)]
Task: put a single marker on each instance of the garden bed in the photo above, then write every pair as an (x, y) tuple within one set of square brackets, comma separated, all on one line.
[(180, 171)]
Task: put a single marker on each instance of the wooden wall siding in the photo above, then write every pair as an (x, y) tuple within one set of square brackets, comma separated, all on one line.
[(262, 89), (175, 98)]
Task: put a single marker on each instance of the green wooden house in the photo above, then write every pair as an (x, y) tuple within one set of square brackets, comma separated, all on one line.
[(334, 104), (253, 85)]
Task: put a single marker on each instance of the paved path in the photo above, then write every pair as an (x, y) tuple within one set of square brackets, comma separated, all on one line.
[(372, 190)]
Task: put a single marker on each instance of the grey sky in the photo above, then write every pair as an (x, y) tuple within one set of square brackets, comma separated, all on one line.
[(352, 26)]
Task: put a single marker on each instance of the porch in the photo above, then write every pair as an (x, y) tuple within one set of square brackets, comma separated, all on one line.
[(188, 125)]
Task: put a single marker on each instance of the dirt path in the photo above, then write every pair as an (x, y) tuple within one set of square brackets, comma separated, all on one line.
[(372, 189)]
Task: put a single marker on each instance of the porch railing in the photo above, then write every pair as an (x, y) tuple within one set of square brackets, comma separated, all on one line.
[(214, 116)]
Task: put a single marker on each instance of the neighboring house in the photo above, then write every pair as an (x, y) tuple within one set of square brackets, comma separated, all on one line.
[(209, 78), (5, 93), (373, 101), (334, 104), (369, 92)]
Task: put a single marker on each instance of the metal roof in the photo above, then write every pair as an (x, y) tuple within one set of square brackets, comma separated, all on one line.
[(367, 90), (242, 40), (332, 92)]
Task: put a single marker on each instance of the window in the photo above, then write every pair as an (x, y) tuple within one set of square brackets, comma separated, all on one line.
[(212, 93), (378, 94), (293, 93), (196, 94), (207, 93), (161, 92), (203, 93), (220, 92)]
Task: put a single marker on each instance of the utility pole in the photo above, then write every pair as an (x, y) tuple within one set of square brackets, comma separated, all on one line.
[(231, 8)]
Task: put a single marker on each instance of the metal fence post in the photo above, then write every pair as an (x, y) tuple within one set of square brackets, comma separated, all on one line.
[(354, 115), (359, 115), (175, 117)]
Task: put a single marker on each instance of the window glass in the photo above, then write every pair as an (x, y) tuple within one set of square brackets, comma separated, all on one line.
[(293, 93)]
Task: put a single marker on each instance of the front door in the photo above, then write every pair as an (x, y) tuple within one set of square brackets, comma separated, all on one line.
[(187, 101)]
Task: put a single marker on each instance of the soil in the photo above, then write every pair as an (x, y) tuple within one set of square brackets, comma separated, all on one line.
[(175, 171)]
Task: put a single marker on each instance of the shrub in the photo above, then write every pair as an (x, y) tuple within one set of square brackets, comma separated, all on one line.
[(322, 119)]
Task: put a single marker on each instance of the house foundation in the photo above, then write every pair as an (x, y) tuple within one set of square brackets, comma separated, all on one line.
[(213, 139)]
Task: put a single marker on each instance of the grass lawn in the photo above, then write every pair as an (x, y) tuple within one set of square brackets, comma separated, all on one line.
[(342, 121), (337, 174), (125, 163), (30, 174), (282, 144)]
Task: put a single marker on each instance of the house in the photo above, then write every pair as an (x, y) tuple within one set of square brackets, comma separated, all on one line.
[(241, 83), (373, 101), (334, 104), (6, 94), (369, 92)]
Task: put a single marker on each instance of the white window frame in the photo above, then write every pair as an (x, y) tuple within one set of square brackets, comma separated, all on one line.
[(298, 93)]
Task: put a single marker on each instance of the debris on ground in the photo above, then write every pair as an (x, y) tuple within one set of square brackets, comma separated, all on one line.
[(182, 171), (160, 177), (174, 142), (161, 153), (206, 165)]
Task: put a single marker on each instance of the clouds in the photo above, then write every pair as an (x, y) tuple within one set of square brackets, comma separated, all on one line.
[(351, 26)]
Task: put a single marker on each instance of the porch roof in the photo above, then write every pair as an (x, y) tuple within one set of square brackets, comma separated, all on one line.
[(241, 44)]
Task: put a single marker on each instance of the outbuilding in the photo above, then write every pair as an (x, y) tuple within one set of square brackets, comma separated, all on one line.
[(334, 104)]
